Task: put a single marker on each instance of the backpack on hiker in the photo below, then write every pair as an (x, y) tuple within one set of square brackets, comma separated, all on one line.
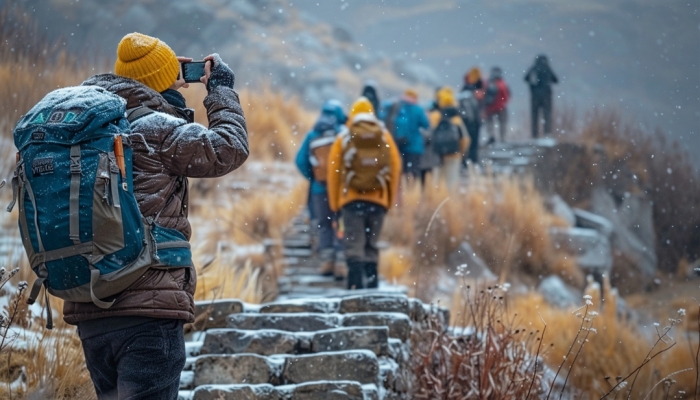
[(366, 157), (397, 121), (320, 147), (468, 107), (79, 221), (446, 137)]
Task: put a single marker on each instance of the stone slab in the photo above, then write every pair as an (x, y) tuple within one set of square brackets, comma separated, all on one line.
[(233, 369), (356, 365)]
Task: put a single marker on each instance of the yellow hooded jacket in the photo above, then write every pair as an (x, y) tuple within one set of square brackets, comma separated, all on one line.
[(446, 99), (361, 113)]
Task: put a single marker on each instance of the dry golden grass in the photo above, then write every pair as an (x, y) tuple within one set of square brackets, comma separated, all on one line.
[(502, 217), (616, 349)]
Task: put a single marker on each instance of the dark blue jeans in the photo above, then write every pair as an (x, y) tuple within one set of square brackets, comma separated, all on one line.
[(138, 362)]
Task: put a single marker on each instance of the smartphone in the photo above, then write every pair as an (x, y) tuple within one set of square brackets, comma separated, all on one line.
[(192, 71)]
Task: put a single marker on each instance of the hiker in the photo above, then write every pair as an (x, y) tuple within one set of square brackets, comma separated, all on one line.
[(470, 111), (472, 80), (449, 137), (136, 349), (540, 78), (364, 169), (312, 161), (495, 102), (405, 119), (369, 91)]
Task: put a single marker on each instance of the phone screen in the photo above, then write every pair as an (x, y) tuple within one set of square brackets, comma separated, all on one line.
[(192, 71)]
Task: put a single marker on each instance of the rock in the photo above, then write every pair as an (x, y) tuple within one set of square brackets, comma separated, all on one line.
[(374, 303), (558, 293), (586, 219), (591, 248), (558, 207), (238, 368), (633, 235), (356, 365), (262, 342), (399, 324), (217, 312), (283, 322), (335, 390), (236, 392), (476, 268), (375, 339)]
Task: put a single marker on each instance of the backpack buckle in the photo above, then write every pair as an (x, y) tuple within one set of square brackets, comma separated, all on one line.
[(75, 165)]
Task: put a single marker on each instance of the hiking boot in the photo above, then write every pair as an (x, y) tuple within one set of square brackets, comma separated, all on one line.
[(356, 275), (372, 275), (326, 268), (340, 271)]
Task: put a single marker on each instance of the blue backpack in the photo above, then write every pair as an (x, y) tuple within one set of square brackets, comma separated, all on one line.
[(79, 220)]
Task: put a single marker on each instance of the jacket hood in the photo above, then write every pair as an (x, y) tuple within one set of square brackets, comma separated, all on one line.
[(334, 108)]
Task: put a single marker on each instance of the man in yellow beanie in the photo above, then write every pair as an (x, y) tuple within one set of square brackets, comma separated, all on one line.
[(135, 349)]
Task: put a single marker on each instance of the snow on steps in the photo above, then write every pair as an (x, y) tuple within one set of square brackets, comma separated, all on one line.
[(347, 347), (317, 341)]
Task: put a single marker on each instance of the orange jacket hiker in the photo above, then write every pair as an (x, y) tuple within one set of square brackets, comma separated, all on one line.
[(361, 117)]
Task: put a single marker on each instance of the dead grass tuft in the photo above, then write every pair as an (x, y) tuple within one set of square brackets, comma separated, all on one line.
[(502, 217), (614, 350)]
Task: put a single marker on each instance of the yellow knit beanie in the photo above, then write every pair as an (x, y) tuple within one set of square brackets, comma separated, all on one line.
[(147, 60)]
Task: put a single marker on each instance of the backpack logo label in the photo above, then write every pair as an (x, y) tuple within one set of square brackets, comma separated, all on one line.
[(38, 135), (42, 166)]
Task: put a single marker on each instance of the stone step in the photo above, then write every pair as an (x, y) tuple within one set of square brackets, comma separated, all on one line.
[(399, 324), (310, 281), (301, 243), (269, 342), (299, 253), (324, 390), (355, 365)]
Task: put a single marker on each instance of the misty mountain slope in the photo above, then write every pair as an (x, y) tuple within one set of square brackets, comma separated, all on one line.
[(264, 41)]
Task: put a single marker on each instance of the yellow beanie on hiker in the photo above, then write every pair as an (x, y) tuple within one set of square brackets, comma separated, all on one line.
[(360, 106), (148, 60)]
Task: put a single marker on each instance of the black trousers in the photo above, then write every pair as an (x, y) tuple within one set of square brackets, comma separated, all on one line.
[(541, 104), (138, 362)]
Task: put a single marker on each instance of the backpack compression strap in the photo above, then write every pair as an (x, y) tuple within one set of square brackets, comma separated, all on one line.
[(135, 113)]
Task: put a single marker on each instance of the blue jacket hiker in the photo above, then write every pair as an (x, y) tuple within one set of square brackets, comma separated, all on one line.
[(312, 163), (405, 119)]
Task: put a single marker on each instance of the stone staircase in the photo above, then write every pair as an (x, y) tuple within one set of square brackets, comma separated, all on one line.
[(352, 347), (316, 341)]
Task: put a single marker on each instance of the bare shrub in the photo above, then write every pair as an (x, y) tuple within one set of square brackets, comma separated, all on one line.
[(490, 358)]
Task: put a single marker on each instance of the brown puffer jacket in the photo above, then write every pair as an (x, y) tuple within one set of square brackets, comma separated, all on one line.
[(167, 150)]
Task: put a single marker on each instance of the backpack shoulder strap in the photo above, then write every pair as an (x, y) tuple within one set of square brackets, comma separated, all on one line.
[(135, 113)]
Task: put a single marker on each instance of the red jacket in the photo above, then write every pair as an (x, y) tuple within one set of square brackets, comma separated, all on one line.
[(502, 97)]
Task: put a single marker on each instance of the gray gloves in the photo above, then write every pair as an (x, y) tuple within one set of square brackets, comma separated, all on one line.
[(221, 74)]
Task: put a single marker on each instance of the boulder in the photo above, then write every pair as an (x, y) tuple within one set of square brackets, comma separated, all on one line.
[(589, 220), (475, 268), (633, 235), (591, 248), (557, 206), (558, 293)]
